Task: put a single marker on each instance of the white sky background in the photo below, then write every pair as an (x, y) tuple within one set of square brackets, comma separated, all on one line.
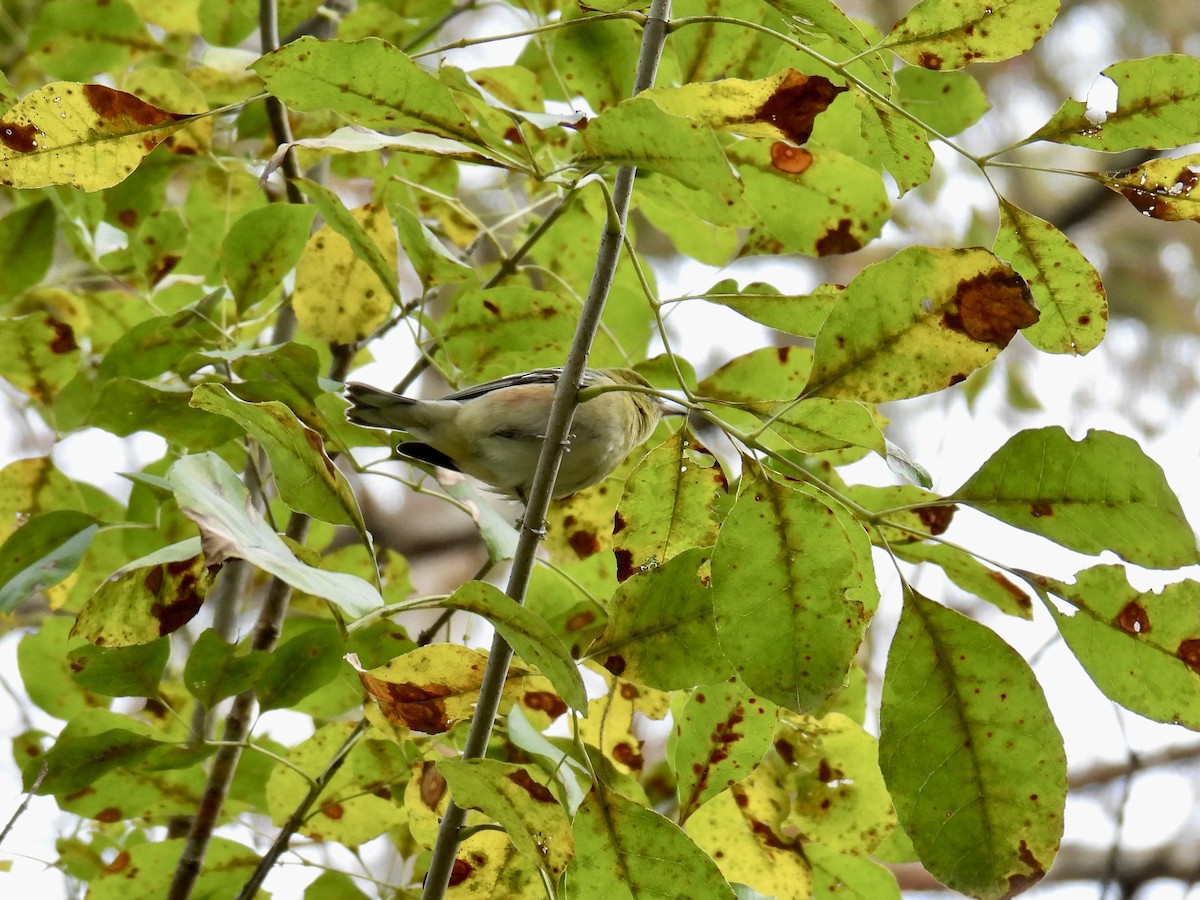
[(940, 433)]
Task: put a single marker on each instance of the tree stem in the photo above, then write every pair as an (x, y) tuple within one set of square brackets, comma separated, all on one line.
[(565, 400)]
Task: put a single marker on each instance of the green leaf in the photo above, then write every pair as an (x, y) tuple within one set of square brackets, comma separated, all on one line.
[(261, 247), (1162, 189), (815, 201), (42, 354), (41, 553), (668, 505), (75, 761), (215, 670), (800, 314), (209, 493), (970, 753), (489, 334), (1100, 493), (947, 102), (434, 263), (1140, 647), (26, 247), (970, 575), (47, 673), (845, 877), (1158, 107), (722, 732), (121, 671), (902, 144), (918, 322), (77, 39), (528, 634), (369, 82), (518, 798), (147, 599), (660, 629), (125, 406), (86, 135), (949, 35), (300, 666), (767, 373), (149, 868), (1067, 288), (623, 850), (157, 345), (820, 423), (793, 591), (307, 479), (641, 134)]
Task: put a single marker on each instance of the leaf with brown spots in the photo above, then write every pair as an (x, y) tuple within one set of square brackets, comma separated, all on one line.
[(1164, 189), (916, 323), (357, 804), (1099, 493), (660, 627), (429, 689), (1142, 648), (721, 734), (970, 752), (522, 799), (970, 575), (624, 849), (149, 598), (86, 135), (668, 505), (1070, 296), (938, 35)]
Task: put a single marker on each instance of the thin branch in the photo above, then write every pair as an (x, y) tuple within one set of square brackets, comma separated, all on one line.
[(296, 819), (565, 400)]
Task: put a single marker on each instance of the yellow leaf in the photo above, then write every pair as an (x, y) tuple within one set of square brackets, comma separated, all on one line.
[(338, 298), (87, 135)]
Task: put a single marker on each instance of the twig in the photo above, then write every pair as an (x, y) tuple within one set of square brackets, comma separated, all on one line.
[(565, 399), (296, 819), (37, 783)]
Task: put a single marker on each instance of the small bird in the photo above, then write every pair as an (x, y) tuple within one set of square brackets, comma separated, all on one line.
[(494, 431)]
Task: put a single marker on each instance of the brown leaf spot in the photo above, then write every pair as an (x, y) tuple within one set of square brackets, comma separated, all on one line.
[(1023, 881), (333, 811), (584, 543), (619, 522), (432, 785), (64, 336), (1189, 652), (22, 138), (787, 158), (991, 307), (1040, 509), (625, 567), (112, 105), (119, 864), (1133, 619), (109, 814), (786, 752), (796, 103), (765, 836), (1019, 595), (544, 701), (174, 613), (580, 620), (936, 518), (538, 792), (629, 691), (415, 706), (460, 872), (628, 756), (838, 240), (929, 60), (615, 664)]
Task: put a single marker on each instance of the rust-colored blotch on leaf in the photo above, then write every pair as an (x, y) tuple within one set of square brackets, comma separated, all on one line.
[(417, 707), (787, 158), (838, 240), (1189, 652), (21, 138), (1133, 618), (796, 103), (937, 518), (992, 307), (112, 105)]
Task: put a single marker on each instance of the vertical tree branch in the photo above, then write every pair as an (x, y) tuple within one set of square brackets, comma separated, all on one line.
[(608, 253)]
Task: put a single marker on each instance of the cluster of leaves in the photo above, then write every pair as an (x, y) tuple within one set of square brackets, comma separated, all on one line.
[(150, 283)]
